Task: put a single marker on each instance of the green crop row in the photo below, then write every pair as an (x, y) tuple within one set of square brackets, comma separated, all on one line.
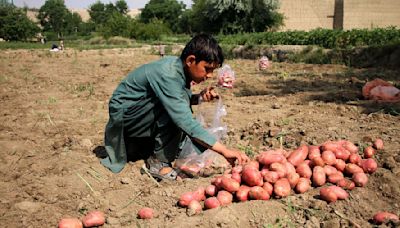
[(326, 38)]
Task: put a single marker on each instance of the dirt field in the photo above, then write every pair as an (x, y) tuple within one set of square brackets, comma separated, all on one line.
[(54, 107)]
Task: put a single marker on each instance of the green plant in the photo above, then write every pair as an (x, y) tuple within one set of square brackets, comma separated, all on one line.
[(248, 150)]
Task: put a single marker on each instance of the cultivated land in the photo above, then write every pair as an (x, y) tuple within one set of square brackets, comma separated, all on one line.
[(54, 107)]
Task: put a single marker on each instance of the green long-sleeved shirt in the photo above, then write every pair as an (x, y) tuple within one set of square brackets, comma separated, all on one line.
[(141, 98)]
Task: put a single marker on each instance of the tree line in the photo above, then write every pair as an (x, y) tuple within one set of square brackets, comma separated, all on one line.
[(157, 18)]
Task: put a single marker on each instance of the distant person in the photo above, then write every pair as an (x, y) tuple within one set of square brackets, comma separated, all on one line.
[(54, 48), (161, 50), (61, 47)]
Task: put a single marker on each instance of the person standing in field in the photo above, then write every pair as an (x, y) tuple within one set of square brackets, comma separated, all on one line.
[(150, 115)]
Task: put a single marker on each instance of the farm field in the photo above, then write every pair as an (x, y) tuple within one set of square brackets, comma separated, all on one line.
[(54, 108)]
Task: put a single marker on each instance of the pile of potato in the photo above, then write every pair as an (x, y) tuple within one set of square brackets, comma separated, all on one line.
[(335, 166)]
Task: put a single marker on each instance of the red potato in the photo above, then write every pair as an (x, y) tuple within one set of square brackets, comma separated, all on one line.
[(369, 152), (211, 203), (264, 170), (335, 177), (378, 144), (352, 169), (211, 190), (328, 169), (282, 187), (355, 159), (229, 184), (384, 216), (349, 146), (94, 218), (318, 161), (269, 157), (237, 169), (146, 213), (194, 208), (258, 193), (346, 184), (318, 176), (268, 188), (342, 153), (304, 170), (369, 165), (360, 179), (199, 194), (340, 165), (298, 156), (237, 177), (303, 185), (313, 152), (271, 176), (340, 192), (328, 195), (216, 181), (185, 199), (289, 167), (251, 176), (293, 179), (70, 223), (279, 168), (253, 163), (224, 198), (330, 145), (328, 157), (243, 193)]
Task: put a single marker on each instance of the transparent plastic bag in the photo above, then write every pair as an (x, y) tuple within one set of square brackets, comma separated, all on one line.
[(381, 90), (226, 77), (205, 164), (264, 63)]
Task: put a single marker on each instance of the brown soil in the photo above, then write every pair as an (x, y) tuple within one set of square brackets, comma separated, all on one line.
[(54, 107)]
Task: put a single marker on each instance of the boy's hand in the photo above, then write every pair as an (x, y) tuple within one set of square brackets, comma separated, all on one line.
[(209, 94), (232, 155)]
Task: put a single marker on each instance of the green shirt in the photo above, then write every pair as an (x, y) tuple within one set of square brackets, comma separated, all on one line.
[(141, 99)]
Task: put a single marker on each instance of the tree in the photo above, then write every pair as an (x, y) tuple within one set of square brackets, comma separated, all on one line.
[(100, 13), (52, 16), (168, 11), (15, 23), (121, 6), (97, 13)]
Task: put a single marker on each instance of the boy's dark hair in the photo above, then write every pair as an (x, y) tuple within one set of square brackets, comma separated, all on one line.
[(203, 47)]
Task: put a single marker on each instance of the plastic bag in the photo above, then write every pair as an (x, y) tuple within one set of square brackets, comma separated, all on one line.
[(205, 164), (226, 76), (381, 90), (264, 63)]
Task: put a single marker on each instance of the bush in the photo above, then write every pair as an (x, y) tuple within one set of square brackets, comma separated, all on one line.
[(117, 40), (97, 41)]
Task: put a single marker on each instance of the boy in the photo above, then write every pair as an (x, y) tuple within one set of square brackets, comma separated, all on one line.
[(150, 111)]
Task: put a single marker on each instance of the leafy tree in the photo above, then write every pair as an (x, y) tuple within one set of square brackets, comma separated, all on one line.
[(15, 24), (117, 25), (53, 16), (73, 22), (121, 6), (97, 12), (168, 11), (101, 13)]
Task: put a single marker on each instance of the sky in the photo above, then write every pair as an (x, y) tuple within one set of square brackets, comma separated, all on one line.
[(84, 4)]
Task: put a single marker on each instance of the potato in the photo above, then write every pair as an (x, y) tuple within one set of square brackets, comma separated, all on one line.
[(342, 153), (313, 152), (340, 165), (328, 157), (318, 176), (146, 213), (268, 188), (194, 208), (304, 170), (346, 184), (216, 181), (229, 184), (360, 179), (302, 185), (237, 169), (355, 159), (349, 146), (369, 152), (340, 192), (271, 176), (335, 177), (185, 199), (282, 187), (253, 163), (211, 203), (330, 145), (289, 168), (328, 195), (279, 168), (269, 157), (199, 194), (258, 193), (70, 223), (384, 216), (94, 218), (293, 178), (237, 177), (352, 169), (298, 156), (328, 169), (369, 165), (378, 144), (224, 198), (318, 161), (251, 176), (211, 190), (243, 193)]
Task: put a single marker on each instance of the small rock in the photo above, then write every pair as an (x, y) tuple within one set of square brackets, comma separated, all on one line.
[(276, 106), (390, 163), (125, 180), (318, 204), (333, 223), (86, 143), (30, 207), (274, 131), (112, 221)]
